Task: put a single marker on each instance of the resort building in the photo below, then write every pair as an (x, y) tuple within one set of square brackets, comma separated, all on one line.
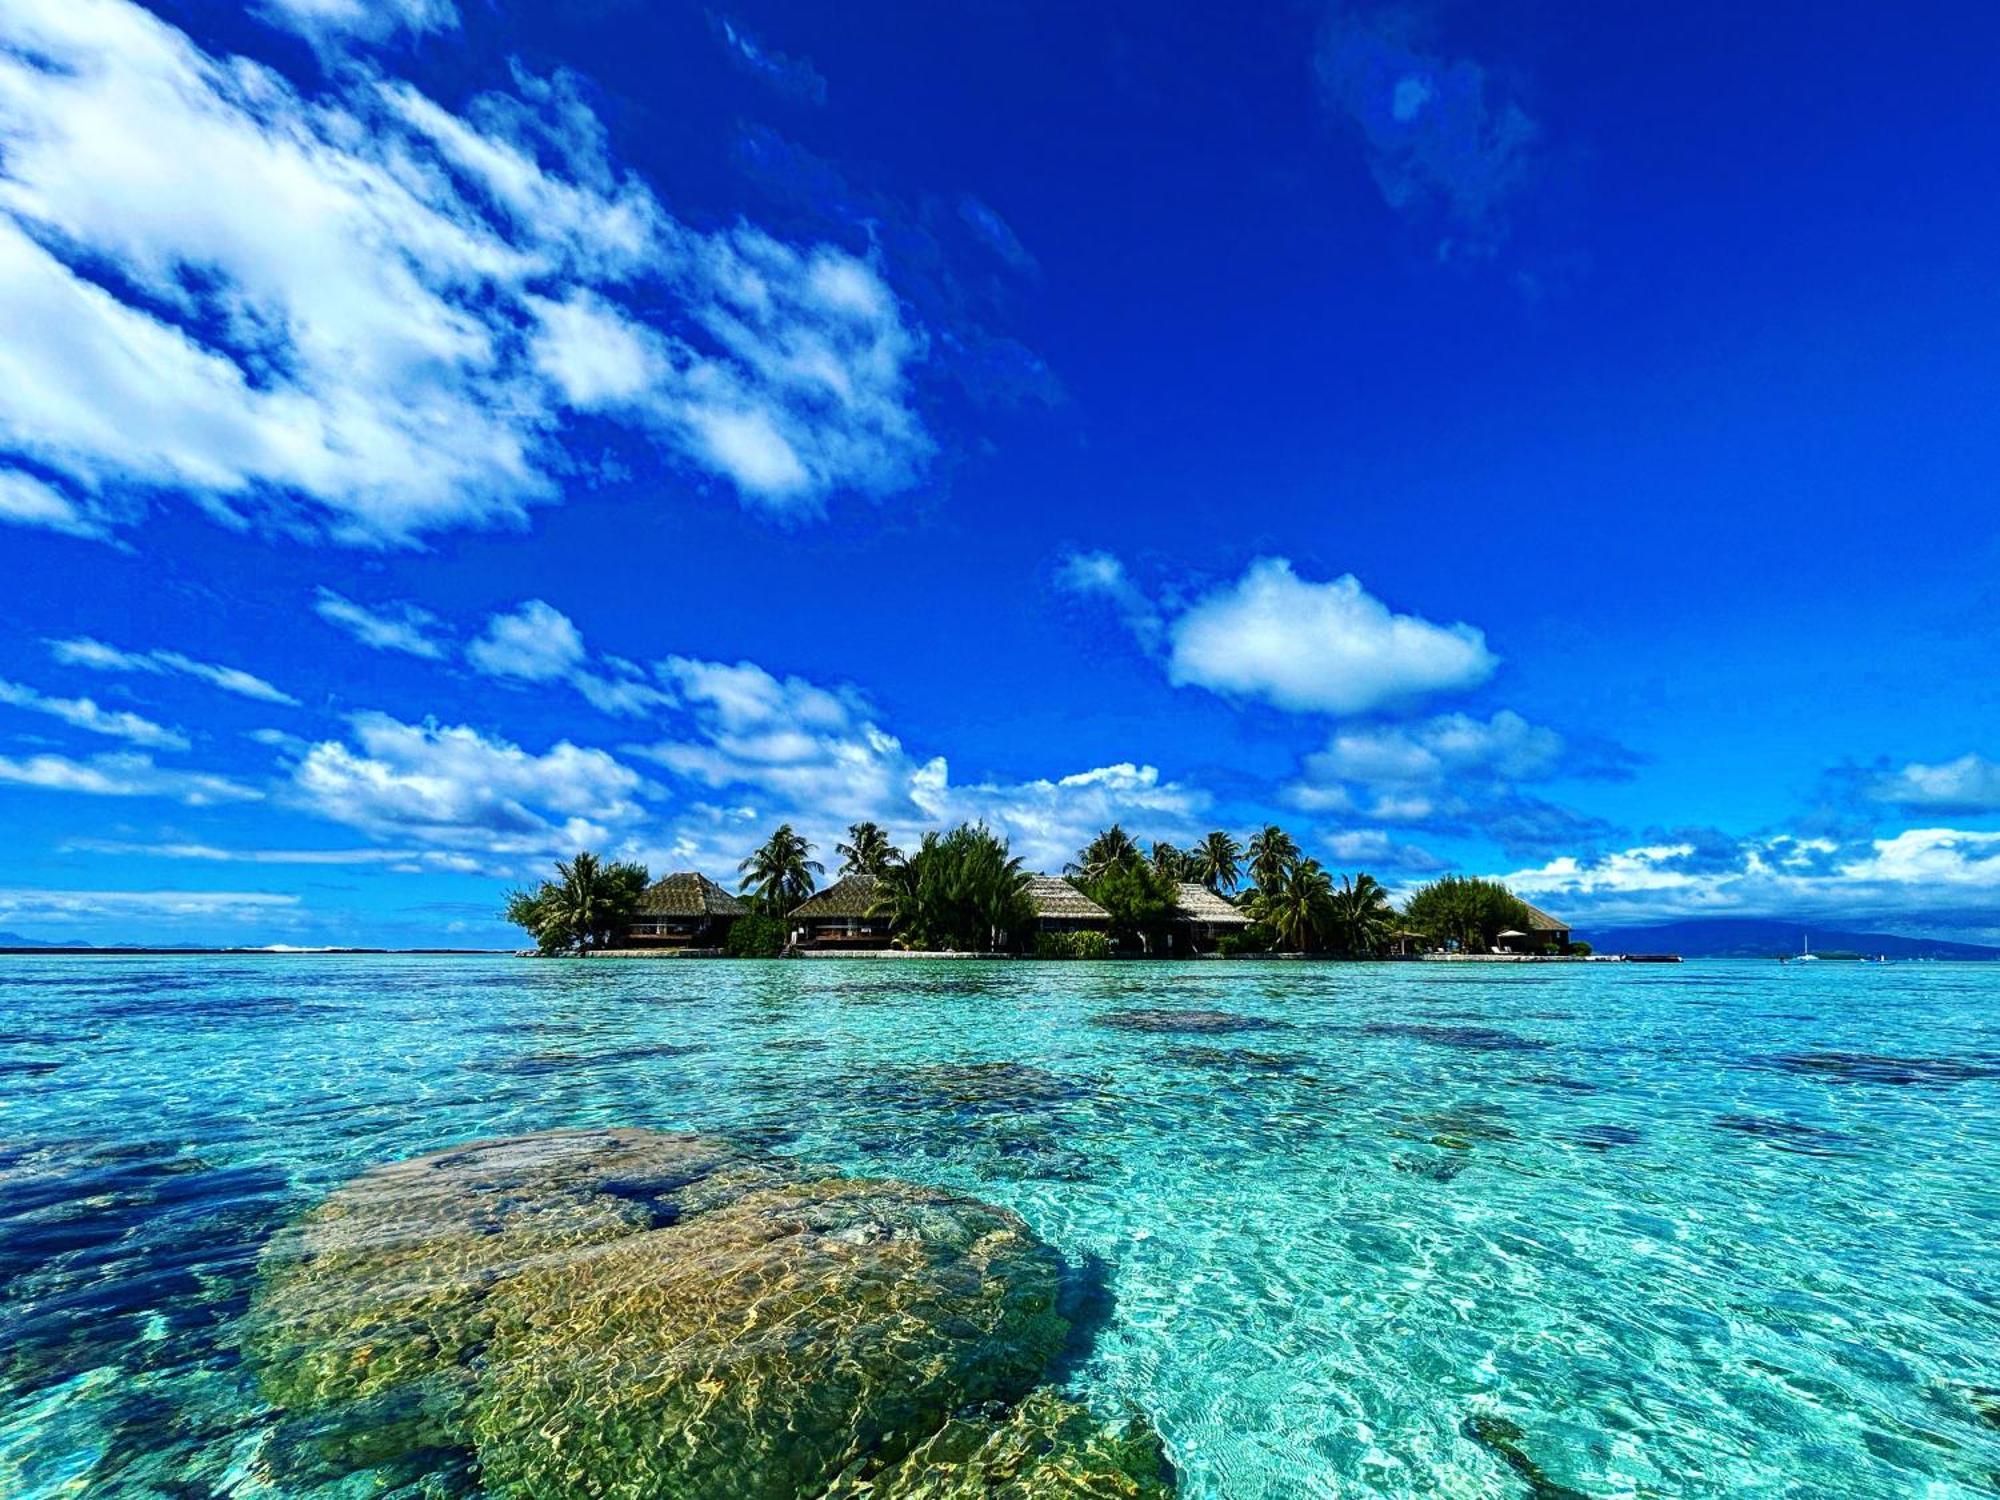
[(1061, 907), (1545, 934), (840, 917), (685, 910), (1202, 918)]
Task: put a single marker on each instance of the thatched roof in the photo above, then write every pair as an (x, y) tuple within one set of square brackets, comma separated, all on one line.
[(1197, 903), (1055, 897), (687, 893), (850, 896), (1541, 921)]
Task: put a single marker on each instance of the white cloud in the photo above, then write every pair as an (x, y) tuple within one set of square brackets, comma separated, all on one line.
[(791, 749), (454, 787), (84, 713), (1101, 575), (127, 774), (1447, 748), (397, 859), (82, 651), (377, 331), (1926, 875), (1319, 647), (392, 627), (26, 906), (26, 501), (537, 642), (329, 21), (1970, 784)]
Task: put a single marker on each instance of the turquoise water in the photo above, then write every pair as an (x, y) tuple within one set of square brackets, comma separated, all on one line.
[(1714, 1229)]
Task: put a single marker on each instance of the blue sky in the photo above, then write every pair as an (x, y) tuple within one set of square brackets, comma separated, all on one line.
[(1538, 440)]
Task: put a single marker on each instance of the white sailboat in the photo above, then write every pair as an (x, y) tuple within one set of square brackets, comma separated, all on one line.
[(1806, 955)]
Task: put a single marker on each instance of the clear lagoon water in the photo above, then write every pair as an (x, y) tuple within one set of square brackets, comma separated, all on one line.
[(1548, 1231)]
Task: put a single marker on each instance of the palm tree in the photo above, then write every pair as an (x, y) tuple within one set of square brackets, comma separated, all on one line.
[(1103, 854), (1362, 915), (961, 890), (1217, 861), (867, 850), (1271, 852), (1173, 864), (782, 873), (585, 907), (1298, 905)]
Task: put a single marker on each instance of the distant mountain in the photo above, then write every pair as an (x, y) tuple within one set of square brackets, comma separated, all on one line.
[(15, 940), (1761, 937)]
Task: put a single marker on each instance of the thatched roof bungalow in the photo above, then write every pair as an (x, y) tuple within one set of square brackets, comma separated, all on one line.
[(1202, 918), (1544, 934), (683, 910), (841, 916), (1061, 907)]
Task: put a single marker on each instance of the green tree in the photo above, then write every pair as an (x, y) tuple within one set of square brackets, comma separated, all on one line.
[(586, 906), (1362, 916), (1218, 862), (1298, 905), (1174, 864), (1110, 849), (962, 891), (755, 934), (867, 850), (782, 873), (1139, 900), (1271, 852), (1462, 910)]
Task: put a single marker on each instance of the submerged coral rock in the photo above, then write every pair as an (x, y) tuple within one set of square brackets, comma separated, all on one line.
[(1045, 1448), (1200, 1022), (620, 1313), (757, 1350)]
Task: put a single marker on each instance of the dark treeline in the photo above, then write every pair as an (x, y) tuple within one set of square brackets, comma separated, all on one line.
[(963, 890)]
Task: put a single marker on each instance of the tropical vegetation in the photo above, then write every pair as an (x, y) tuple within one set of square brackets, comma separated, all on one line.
[(587, 905), (867, 850), (962, 891), (1463, 912), (783, 872)]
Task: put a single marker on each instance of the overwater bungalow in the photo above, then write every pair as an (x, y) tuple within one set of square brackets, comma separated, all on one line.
[(1202, 918), (683, 910), (1061, 907), (841, 917)]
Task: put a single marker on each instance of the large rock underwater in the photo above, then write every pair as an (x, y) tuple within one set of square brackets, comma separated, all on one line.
[(622, 1314)]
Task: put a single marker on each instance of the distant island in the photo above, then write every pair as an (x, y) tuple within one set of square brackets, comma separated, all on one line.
[(1769, 937)]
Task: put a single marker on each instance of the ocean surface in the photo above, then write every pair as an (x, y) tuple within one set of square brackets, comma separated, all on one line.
[(1722, 1228)]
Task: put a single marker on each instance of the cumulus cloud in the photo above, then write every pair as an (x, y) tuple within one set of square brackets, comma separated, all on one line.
[(84, 713), (784, 747), (1443, 139), (1934, 876), (537, 642), (127, 774), (25, 907), (377, 332), (1504, 747), (1318, 647), (82, 651), (1968, 785), (454, 787), (391, 627)]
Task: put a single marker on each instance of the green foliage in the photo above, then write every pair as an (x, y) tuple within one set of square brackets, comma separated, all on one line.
[(1174, 864), (1218, 862), (1296, 902), (1139, 900), (1254, 939), (1466, 911), (1085, 945), (1362, 917), (1578, 949), (781, 873), (586, 906), (1271, 852), (961, 892), (867, 851), (756, 934), (1108, 851)]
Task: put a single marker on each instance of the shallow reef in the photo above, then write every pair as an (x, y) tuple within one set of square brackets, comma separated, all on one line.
[(1200, 1022), (626, 1313), (1868, 1067), (1471, 1038)]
